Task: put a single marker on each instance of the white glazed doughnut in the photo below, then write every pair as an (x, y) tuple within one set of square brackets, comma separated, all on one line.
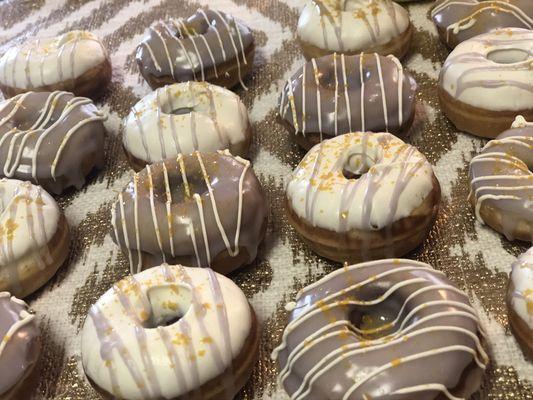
[(183, 118), (520, 300), (353, 26), (133, 347), (360, 184), (487, 80), (33, 237), (56, 63)]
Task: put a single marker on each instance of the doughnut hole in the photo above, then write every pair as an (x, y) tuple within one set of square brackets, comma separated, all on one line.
[(356, 165), (376, 321), (195, 183), (508, 56), (193, 26), (169, 303), (181, 111)]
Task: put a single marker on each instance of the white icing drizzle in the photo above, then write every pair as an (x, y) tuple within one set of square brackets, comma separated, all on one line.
[(346, 96), (123, 235), (141, 358), (29, 218), (215, 119), (329, 325), (362, 99), (318, 102), (395, 179), (25, 319), (383, 96), (344, 26), (45, 59), (522, 279)]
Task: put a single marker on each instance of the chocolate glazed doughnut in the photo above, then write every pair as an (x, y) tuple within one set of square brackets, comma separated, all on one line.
[(501, 182), (202, 209), (208, 46), (336, 94), (459, 20), (20, 348), (388, 329), (50, 138)]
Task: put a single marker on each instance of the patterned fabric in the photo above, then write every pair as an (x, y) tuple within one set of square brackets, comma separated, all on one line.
[(473, 256)]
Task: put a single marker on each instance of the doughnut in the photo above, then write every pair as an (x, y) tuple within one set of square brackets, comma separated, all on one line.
[(362, 196), (75, 61), (34, 237), (487, 80), (501, 183), (20, 348), (387, 329), (201, 209), (208, 46), (50, 138), (183, 118), (353, 26), (460, 20), (520, 301), (335, 94), (170, 332)]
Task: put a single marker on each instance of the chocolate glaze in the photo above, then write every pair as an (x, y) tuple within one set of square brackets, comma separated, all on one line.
[(458, 21), (202, 209), (501, 178), (387, 329), (20, 345), (50, 138), (335, 94), (192, 49)]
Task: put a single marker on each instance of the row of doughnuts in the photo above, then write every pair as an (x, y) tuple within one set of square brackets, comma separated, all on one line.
[(359, 196), (208, 46), (172, 331), (191, 202)]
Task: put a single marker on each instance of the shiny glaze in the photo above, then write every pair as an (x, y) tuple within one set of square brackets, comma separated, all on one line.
[(521, 299), (19, 344), (337, 94), (382, 329), (492, 71), (29, 219), (215, 119), (191, 208), (501, 177), (45, 137), (351, 25), (133, 347), (47, 61), (189, 49), (460, 20)]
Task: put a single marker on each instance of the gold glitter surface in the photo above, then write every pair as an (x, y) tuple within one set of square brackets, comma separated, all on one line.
[(96, 284), (448, 246)]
